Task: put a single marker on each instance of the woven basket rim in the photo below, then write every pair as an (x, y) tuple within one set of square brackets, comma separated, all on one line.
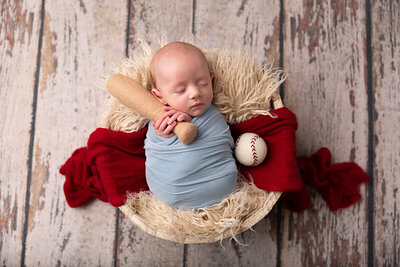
[(135, 218)]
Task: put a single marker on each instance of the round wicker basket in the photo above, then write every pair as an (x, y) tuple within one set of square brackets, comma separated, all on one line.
[(242, 90)]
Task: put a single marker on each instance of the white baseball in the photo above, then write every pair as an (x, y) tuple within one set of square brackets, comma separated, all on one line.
[(250, 149)]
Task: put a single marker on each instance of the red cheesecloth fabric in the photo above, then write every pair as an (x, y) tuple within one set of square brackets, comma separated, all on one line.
[(279, 171), (338, 183), (113, 164)]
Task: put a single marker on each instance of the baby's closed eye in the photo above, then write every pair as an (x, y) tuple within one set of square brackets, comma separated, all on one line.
[(180, 90), (202, 83)]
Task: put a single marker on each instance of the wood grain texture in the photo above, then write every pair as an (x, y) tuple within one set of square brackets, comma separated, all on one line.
[(385, 17), (252, 26), (150, 20), (325, 53), (256, 248), (19, 33), (81, 41), (324, 56), (138, 248)]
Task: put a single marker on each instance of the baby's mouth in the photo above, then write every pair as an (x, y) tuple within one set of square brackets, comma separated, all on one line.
[(197, 105)]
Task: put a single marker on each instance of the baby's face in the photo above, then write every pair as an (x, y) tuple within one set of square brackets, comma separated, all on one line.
[(183, 81)]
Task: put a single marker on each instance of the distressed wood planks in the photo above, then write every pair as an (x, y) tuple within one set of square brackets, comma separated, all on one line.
[(81, 42), (324, 56), (385, 44), (19, 38)]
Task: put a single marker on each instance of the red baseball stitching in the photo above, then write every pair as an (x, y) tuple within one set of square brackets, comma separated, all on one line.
[(253, 149)]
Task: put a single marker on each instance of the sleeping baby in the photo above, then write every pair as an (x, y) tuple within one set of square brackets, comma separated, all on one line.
[(203, 172)]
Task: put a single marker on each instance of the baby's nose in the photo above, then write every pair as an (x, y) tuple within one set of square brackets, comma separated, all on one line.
[(194, 92)]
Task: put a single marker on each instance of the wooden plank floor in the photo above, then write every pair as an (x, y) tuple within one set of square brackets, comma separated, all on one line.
[(343, 64)]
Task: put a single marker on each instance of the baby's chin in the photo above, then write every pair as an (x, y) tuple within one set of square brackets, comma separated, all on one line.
[(197, 112)]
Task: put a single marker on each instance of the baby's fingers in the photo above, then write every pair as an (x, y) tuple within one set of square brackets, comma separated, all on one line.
[(163, 125), (174, 118), (159, 122), (168, 131), (184, 117), (163, 117), (181, 117)]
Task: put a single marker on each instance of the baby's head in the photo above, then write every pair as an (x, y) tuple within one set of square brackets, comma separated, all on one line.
[(182, 78)]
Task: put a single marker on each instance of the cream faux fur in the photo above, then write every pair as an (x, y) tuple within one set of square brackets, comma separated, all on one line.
[(242, 90)]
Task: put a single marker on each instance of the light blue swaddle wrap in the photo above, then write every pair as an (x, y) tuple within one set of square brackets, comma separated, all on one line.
[(195, 175)]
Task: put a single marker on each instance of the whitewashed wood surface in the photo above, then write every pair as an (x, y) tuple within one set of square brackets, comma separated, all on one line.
[(343, 64), (325, 42)]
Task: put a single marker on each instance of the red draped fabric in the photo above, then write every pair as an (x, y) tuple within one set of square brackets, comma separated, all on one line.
[(113, 163)]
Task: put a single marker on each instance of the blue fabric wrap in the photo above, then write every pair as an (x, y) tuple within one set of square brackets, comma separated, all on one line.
[(196, 175)]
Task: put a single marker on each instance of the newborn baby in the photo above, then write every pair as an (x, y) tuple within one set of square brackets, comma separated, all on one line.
[(203, 172)]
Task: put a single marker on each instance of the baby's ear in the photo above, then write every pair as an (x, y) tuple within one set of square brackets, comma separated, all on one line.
[(212, 76), (158, 95)]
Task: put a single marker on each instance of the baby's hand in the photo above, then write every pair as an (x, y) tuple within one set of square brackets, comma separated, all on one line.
[(176, 115), (166, 123)]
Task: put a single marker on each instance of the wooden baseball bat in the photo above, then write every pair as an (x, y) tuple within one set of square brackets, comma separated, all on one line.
[(133, 95)]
